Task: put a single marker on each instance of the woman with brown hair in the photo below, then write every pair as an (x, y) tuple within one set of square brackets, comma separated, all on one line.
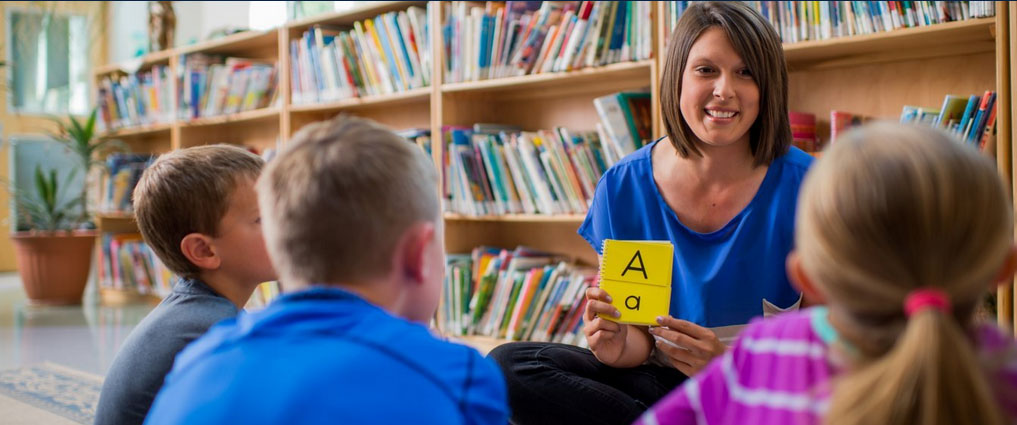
[(721, 188)]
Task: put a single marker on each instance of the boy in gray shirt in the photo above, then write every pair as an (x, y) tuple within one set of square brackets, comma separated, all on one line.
[(198, 211)]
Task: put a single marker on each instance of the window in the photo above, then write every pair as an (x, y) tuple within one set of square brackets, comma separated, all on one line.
[(49, 61)]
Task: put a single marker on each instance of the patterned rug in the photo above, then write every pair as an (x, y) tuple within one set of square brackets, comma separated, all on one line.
[(48, 393)]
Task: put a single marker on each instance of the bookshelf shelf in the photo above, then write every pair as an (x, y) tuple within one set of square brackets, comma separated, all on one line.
[(147, 61), (116, 222), (143, 131), (348, 17), (421, 95), (575, 219), (243, 43), (626, 74), (946, 39), (263, 114)]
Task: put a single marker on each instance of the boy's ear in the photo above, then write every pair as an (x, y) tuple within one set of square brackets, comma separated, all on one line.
[(198, 249), (801, 281), (415, 251), (1009, 267)]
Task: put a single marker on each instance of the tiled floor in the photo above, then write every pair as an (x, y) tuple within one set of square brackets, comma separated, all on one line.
[(84, 337)]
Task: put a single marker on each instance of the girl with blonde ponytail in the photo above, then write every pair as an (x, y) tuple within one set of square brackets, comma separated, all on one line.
[(901, 231)]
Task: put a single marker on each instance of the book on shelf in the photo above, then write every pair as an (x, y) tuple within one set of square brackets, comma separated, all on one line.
[(125, 262), (841, 121), (389, 53), (212, 85), (821, 20), (504, 39), (137, 99), (418, 136), (969, 118), (803, 131), (124, 171), (532, 172), (519, 295), (626, 121)]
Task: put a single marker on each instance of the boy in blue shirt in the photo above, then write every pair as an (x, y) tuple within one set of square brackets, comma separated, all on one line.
[(353, 225)]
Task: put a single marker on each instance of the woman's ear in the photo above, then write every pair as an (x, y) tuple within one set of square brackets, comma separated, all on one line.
[(198, 249), (801, 281), (1006, 272)]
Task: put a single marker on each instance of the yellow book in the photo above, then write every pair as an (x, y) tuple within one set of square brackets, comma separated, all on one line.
[(637, 275)]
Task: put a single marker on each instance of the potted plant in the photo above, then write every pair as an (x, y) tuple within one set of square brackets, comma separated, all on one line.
[(54, 245)]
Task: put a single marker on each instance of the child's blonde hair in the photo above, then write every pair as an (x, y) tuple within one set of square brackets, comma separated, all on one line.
[(337, 200), (888, 210)]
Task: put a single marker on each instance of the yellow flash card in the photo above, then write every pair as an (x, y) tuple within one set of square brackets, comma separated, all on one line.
[(637, 275)]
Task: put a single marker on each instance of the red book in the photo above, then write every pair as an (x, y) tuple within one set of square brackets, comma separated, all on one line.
[(803, 130)]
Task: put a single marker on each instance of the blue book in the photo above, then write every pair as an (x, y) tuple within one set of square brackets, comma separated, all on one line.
[(382, 32), (969, 112), (401, 46)]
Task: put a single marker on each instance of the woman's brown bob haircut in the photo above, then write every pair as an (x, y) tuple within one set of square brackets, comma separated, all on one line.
[(759, 47)]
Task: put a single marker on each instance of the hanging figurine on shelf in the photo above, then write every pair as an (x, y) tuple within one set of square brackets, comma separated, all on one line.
[(162, 23)]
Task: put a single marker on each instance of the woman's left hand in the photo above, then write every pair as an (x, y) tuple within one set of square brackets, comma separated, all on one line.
[(701, 344)]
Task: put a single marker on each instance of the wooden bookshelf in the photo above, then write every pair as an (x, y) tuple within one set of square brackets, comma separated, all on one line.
[(947, 39), (874, 74), (422, 95), (575, 219), (483, 344), (624, 75)]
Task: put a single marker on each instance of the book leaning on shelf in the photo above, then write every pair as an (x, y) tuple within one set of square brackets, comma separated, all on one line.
[(821, 20), (505, 39), (212, 85), (136, 99), (520, 295), (389, 53)]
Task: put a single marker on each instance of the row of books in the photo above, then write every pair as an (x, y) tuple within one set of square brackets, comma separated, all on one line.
[(387, 54), (521, 295), (118, 186), (125, 262), (626, 123), (490, 172), (503, 39), (137, 99), (820, 20), (972, 119), (214, 85)]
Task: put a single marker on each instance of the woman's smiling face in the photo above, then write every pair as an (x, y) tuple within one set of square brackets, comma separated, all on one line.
[(719, 97)]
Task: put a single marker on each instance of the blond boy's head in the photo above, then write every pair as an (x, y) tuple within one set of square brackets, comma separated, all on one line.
[(189, 191), (340, 200)]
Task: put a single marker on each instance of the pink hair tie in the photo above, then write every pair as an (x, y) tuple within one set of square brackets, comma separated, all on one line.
[(923, 298)]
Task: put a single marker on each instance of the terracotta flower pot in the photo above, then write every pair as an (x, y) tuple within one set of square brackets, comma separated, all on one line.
[(54, 267)]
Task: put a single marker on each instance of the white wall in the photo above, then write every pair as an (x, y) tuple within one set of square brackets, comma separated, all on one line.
[(195, 20)]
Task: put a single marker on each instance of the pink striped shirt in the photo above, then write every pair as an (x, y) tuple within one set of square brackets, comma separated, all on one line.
[(779, 372)]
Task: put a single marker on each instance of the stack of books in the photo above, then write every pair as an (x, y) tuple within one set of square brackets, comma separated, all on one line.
[(124, 172), (137, 99), (821, 20), (504, 39), (511, 172), (125, 262), (971, 118), (212, 85), (390, 53), (520, 295)]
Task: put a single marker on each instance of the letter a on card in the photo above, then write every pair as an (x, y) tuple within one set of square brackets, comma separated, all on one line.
[(637, 275)]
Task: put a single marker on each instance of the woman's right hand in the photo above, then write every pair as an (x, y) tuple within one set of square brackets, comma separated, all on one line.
[(606, 338)]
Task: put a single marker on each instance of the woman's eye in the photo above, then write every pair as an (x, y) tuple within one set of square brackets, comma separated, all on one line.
[(745, 72), (704, 70)]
